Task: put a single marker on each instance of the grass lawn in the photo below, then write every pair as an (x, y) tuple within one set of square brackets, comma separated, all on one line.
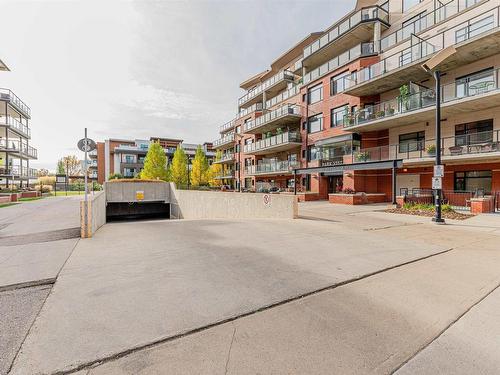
[(29, 199), (63, 193), (3, 205)]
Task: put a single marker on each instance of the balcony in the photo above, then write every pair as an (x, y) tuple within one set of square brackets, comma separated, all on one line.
[(15, 125), (480, 91), (276, 167), (226, 127), (257, 107), (225, 175), (281, 117), (295, 90), (277, 143), (345, 35), (273, 85), (226, 158), (361, 50), (474, 40), (18, 148), (18, 104), (18, 172), (224, 142)]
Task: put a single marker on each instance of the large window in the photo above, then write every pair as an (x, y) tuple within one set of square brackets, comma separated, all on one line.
[(313, 153), (315, 94), (474, 133), (475, 83), (338, 83), (315, 123), (337, 115), (412, 141), (407, 4), (473, 181)]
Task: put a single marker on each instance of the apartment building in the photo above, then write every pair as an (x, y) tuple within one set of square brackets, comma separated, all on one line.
[(352, 108), (15, 136), (126, 157)]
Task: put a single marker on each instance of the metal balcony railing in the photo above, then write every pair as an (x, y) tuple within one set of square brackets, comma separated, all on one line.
[(477, 84), (281, 76), (421, 49), (225, 175), (18, 171), (367, 14), (279, 166), (227, 126), (285, 110), (257, 107), (274, 141), (283, 96), (224, 140), (361, 50), (18, 147), (8, 95), (15, 124)]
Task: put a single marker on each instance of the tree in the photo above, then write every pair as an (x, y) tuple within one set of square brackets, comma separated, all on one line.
[(69, 165), (42, 172), (216, 170), (178, 168), (60, 167), (200, 169), (155, 164)]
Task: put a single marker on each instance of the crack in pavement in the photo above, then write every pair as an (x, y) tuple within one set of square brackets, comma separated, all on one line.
[(229, 351)]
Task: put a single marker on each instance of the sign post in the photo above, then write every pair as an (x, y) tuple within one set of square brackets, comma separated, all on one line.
[(86, 145)]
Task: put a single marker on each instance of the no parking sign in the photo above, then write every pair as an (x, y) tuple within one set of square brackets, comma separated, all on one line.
[(266, 199)]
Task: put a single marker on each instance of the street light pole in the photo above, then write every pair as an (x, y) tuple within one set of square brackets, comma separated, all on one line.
[(437, 78)]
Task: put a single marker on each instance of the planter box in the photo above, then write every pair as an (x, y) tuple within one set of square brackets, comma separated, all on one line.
[(306, 197), (30, 194), (356, 199), (482, 205)]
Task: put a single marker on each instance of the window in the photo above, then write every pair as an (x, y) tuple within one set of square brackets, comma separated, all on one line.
[(474, 29), (238, 129), (407, 4), (313, 153), (412, 141), (315, 123), (315, 94), (474, 132), (475, 83), (339, 82), (473, 181), (337, 115)]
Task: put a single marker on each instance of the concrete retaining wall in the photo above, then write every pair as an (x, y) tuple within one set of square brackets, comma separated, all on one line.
[(124, 191), (96, 214), (195, 204)]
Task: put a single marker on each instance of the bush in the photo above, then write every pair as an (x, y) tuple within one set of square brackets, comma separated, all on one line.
[(349, 191), (116, 176), (426, 207), (44, 188)]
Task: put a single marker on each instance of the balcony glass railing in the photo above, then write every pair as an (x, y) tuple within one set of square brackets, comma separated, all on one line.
[(361, 50), (363, 15), (273, 141), (224, 175), (15, 124), (257, 107), (427, 20), (228, 156), (420, 49), (18, 171), (281, 76), (227, 126), (18, 147), (224, 140), (283, 96), (285, 110), (279, 166), (6, 94), (476, 84)]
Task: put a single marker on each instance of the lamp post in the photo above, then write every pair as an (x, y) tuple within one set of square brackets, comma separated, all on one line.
[(432, 67)]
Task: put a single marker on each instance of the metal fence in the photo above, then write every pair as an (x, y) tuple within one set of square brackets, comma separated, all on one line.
[(458, 200)]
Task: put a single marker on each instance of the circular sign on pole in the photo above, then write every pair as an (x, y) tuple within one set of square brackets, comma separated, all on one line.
[(86, 144)]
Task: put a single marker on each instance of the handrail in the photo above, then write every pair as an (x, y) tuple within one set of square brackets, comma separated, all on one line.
[(276, 166), (14, 123), (224, 140), (283, 96), (282, 75), (273, 141), (285, 110), (257, 107)]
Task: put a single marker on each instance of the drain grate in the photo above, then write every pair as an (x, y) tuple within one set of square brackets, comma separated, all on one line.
[(53, 235)]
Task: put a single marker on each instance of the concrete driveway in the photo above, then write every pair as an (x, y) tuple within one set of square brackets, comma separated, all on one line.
[(155, 292)]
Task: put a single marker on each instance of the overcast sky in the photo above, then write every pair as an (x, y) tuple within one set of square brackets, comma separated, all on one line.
[(143, 68)]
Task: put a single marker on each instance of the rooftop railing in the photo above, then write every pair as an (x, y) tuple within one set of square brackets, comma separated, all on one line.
[(279, 166), (281, 76), (361, 50), (372, 13), (15, 124), (285, 110), (224, 140), (227, 126), (7, 94), (421, 49), (476, 84), (273, 141)]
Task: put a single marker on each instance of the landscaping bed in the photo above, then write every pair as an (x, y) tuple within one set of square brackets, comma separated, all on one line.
[(429, 210)]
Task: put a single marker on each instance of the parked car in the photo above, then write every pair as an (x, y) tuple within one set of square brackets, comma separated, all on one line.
[(225, 187), (274, 190)]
